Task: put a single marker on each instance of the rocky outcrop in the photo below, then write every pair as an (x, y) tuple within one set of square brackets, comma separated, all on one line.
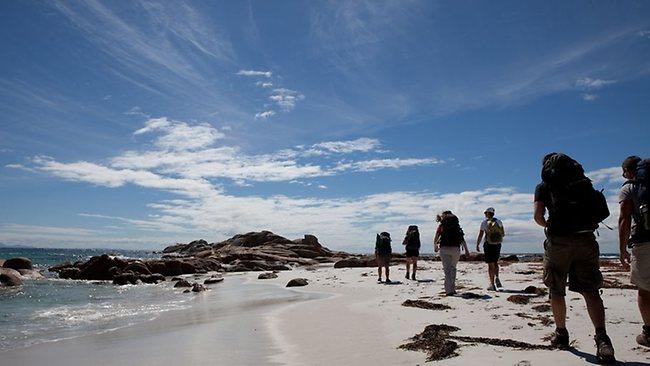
[(18, 263), (297, 282)]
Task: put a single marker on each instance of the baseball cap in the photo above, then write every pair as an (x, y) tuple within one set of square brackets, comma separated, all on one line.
[(489, 209)]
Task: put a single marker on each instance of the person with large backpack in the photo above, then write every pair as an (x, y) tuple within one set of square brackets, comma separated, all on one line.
[(383, 252), (412, 246), (634, 232), (494, 233), (448, 239), (575, 209)]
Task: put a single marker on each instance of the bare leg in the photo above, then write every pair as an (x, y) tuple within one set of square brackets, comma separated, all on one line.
[(559, 311), (408, 267), (595, 308), (491, 272), (379, 272), (415, 266), (387, 273), (644, 306)]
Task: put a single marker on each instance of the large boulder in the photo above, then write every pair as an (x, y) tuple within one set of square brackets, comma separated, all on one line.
[(125, 278), (252, 239), (18, 263), (9, 278), (174, 248), (97, 268), (31, 274), (152, 278), (183, 283), (213, 280), (367, 261), (196, 287), (138, 267), (70, 273), (60, 266)]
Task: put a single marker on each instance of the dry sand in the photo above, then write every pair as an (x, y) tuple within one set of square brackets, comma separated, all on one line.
[(363, 322)]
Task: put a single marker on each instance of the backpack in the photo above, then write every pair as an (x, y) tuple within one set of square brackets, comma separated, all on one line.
[(452, 235), (382, 244), (575, 204), (412, 239), (641, 198), (494, 232)]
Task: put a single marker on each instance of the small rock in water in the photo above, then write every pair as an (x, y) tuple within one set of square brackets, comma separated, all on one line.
[(296, 282), (183, 283), (197, 287), (212, 280), (267, 276)]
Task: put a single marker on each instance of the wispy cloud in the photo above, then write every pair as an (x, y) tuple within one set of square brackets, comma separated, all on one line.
[(377, 164), (589, 97), (613, 175), (180, 135), (286, 99), (593, 84), (264, 84), (264, 115), (266, 74)]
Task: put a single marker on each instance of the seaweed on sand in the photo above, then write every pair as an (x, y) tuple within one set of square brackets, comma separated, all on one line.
[(425, 305), (437, 341)]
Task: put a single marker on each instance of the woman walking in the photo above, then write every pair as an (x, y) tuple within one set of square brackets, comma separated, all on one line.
[(449, 237), (412, 246)]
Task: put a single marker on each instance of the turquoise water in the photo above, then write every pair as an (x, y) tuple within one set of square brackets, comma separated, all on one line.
[(54, 309)]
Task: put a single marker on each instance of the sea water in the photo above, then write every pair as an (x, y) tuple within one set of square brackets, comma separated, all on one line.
[(54, 309)]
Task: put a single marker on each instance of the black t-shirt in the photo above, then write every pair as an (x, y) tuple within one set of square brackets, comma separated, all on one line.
[(557, 223)]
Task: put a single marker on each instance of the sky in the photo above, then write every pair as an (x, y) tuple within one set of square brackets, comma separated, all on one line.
[(140, 124)]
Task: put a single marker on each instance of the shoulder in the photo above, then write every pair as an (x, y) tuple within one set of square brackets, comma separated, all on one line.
[(626, 192), (499, 222), (541, 191)]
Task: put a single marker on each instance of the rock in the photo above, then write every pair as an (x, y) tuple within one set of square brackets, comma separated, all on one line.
[(31, 274), (368, 261), (212, 280), (519, 299), (198, 288), (125, 279), (97, 268), (183, 283), (152, 278), (69, 273), (535, 291), (18, 263), (2, 261), (10, 280), (267, 276), (176, 278), (60, 266), (138, 267), (252, 239), (472, 257), (296, 282), (310, 240), (510, 258), (174, 248), (187, 291)]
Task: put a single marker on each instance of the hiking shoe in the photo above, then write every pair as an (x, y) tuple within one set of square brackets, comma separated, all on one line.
[(643, 339), (604, 349), (407, 276), (388, 281), (497, 282), (413, 277), (560, 339)]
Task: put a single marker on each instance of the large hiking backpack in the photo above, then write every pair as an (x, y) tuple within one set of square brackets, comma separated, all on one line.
[(575, 204), (494, 232), (382, 244), (452, 235), (412, 239), (641, 199)]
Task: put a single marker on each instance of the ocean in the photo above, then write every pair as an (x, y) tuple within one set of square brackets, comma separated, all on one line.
[(55, 309)]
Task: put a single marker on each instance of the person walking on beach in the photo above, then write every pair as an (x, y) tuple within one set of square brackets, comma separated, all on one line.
[(383, 253), (634, 231), (570, 250), (448, 239), (494, 232), (412, 246)]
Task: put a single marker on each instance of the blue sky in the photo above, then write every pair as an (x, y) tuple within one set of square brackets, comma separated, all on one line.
[(139, 124)]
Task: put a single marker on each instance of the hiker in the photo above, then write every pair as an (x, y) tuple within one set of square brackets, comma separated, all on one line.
[(412, 246), (383, 252), (493, 230), (574, 210), (448, 239), (634, 231)]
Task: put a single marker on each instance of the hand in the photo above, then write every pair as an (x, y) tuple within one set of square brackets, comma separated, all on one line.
[(625, 259), (435, 248), (478, 248)]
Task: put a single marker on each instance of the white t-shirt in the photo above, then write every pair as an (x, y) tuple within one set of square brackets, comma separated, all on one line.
[(484, 225)]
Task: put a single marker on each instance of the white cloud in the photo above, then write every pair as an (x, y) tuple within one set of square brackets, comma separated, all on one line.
[(264, 84), (265, 114), (644, 33), (377, 164), (611, 176), (322, 186), (267, 74), (589, 97), (362, 144), (286, 98), (180, 135), (20, 167), (593, 84)]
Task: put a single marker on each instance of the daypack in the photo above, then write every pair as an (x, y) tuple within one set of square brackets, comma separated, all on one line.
[(641, 201), (382, 244), (452, 235), (494, 232), (575, 204)]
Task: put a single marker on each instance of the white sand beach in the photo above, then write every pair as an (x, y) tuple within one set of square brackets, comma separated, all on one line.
[(344, 317)]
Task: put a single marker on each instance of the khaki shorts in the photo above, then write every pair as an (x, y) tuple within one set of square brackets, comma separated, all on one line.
[(575, 256), (640, 266)]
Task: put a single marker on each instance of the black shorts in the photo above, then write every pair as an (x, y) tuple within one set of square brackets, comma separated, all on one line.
[(492, 252), (412, 252)]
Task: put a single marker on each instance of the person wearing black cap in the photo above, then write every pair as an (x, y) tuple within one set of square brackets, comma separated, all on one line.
[(493, 230)]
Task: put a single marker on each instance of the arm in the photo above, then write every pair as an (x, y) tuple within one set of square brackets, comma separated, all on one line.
[(436, 240), (624, 224), (465, 246), (478, 240), (540, 210)]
